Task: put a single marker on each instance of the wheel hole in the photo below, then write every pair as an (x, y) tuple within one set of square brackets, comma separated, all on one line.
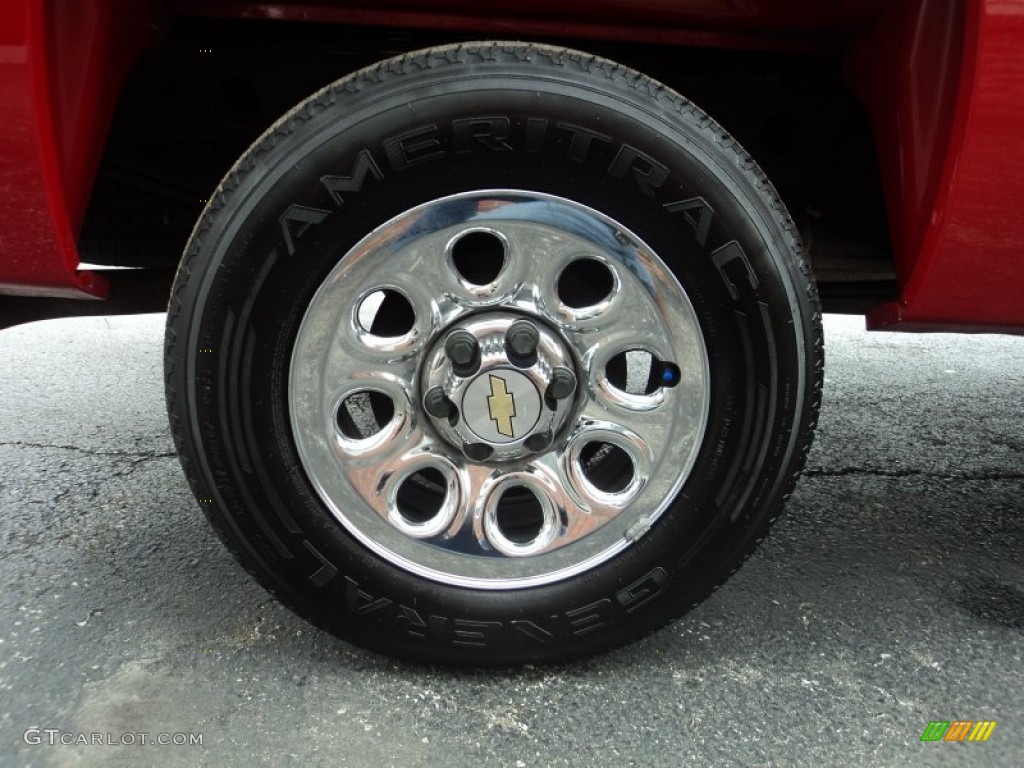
[(421, 496), (478, 257), (635, 372), (519, 515), (365, 413), (607, 467), (584, 283), (386, 313)]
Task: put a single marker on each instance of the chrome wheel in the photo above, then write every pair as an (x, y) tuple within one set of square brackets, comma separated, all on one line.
[(499, 389)]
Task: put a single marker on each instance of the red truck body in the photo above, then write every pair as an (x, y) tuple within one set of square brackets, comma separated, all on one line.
[(942, 84)]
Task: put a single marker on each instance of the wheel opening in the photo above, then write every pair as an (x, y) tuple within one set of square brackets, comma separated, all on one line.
[(584, 283), (607, 467), (478, 257), (777, 139), (365, 413), (421, 495), (635, 372), (386, 313), (519, 515)]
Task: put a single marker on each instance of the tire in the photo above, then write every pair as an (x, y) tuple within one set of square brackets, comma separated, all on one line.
[(397, 369)]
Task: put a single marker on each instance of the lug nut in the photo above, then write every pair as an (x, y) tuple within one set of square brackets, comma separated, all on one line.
[(438, 405), (563, 384), (464, 352), (538, 441), (521, 342), (477, 451)]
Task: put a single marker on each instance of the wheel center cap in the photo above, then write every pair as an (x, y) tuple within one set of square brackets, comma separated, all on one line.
[(501, 406), (499, 386)]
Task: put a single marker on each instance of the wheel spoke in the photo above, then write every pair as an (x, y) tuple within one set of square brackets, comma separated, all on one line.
[(652, 426), (476, 484), (535, 259), (368, 471), (580, 511)]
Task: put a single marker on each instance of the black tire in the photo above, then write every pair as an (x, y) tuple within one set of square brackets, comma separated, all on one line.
[(445, 121)]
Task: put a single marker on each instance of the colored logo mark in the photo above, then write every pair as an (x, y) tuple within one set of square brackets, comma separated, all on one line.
[(501, 406), (958, 730)]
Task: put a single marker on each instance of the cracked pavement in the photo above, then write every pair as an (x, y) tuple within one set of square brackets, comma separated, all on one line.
[(891, 593)]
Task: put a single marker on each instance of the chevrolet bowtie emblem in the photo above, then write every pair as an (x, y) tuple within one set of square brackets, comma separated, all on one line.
[(501, 405)]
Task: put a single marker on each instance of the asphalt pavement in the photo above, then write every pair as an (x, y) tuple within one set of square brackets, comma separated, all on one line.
[(890, 594)]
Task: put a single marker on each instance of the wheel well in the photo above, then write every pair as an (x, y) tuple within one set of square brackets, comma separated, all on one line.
[(196, 102)]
